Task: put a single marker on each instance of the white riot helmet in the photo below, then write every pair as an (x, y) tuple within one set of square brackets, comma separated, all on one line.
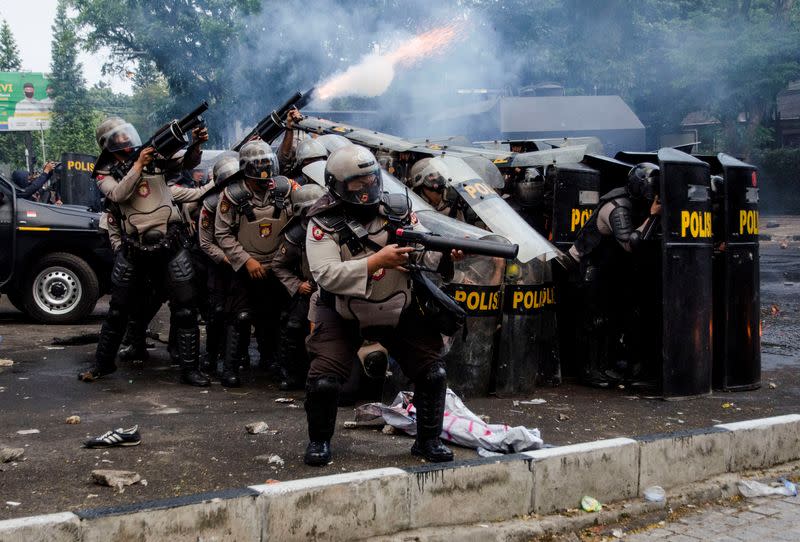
[(224, 168), (114, 134), (258, 160), (308, 151), (304, 197), (353, 175)]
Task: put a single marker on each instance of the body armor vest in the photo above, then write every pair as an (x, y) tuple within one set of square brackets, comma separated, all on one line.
[(259, 223), (150, 206), (389, 291)]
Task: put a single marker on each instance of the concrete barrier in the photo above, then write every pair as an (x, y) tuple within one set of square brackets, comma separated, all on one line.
[(63, 527), (606, 469), (765, 442), (370, 503), (676, 459), (382, 502)]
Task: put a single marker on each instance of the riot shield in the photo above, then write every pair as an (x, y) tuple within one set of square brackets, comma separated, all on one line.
[(77, 186), (737, 337), (686, 269), (528, 351)]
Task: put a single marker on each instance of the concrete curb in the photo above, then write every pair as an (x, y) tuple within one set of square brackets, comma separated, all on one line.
[(381, 502)]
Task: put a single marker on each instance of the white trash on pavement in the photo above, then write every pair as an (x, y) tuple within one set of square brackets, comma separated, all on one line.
[(461, 425)]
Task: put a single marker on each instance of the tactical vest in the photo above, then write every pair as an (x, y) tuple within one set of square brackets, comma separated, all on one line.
[(258, 228), (295, 234), (390, 289), (150, 207)]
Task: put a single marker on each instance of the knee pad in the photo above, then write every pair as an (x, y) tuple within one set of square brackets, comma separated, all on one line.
[(123, 272), (180, 267), (185, 317), (327, 385), (242, 318)]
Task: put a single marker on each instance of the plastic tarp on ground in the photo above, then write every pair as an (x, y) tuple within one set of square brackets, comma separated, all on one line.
[(461, 425)]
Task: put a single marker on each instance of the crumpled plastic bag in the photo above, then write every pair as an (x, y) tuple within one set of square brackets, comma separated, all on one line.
[(461, 426), (751, 488)]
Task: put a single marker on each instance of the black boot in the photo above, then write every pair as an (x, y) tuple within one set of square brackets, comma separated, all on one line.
[(107, 346), (188, 345), (236, 343), (321, 404), (134, 347), (429, 397), (215, 338)]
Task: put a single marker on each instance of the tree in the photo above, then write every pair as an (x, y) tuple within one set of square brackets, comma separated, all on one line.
[(72, 127), (12, 144), (9, 54)]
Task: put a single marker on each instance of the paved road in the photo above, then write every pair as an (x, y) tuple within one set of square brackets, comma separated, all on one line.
[(765, 519), (194, 440)]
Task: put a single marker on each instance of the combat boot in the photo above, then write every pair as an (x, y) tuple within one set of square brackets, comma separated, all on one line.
[(236, 343), (110, 339), (321, 405), (188, 346), (429, 398), (134, 347)]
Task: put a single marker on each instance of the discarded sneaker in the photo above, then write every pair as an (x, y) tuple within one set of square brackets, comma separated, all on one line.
[(117, 437)]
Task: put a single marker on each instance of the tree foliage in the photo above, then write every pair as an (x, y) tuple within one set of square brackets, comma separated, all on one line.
[(9, 53), (72, 126)]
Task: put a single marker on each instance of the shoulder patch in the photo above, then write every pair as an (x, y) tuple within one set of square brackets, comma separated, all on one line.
[(205, 220), (414, 219), (317, 233), (224, 205), (111, 219), (100, 177)]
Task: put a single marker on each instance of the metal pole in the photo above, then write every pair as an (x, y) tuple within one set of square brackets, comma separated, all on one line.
[(41, 132)]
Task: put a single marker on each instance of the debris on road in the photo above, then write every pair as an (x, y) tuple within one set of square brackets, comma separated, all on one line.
[(284, 400), (533, 402), (728, 405), (27, 431), (13, 503), (388, 430), (77, 340), (11, 454), (275, 459), (590, 504), (257, 427), (655, 494), (73, 420), (562, 417), (752, 488), (6, 362), (772, 385), (115, 478)]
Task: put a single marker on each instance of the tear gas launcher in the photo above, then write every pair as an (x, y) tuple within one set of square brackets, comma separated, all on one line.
[(272, 125), (440, 243), (168, 140)]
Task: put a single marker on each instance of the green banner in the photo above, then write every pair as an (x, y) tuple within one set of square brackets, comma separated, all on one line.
[(26, 101)]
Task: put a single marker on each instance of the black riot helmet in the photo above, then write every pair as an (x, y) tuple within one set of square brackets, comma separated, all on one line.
[(353, 175), (529, 190), (644, 181), (258, 160)]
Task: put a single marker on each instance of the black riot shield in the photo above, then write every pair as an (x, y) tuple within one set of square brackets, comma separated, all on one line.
[(528, 351), (686, 270), (77, 186), (470, 358), (575, 195), (737, 336)]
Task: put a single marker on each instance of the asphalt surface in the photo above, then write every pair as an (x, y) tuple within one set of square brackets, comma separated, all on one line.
[(193, 440)]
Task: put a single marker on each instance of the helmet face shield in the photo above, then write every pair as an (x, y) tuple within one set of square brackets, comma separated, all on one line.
[(363, 189), (122, 138), (258, 160), (261, 168)]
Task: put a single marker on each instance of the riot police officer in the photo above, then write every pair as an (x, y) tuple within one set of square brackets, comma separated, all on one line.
[(219, 268), (291, 267), (250, 215), (154, 238), (308, 151), (430, 181), (618, 227), (365, 292)]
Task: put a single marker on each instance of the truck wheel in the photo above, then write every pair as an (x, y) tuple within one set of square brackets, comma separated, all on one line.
[(61, 289)]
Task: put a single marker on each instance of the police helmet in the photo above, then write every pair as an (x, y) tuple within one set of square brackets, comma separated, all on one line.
[(224, 167), (258, 160), (353, 175), (306, 196), (429, 173), (310, 150), (114, 134), (530, 189), (644, 181)]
